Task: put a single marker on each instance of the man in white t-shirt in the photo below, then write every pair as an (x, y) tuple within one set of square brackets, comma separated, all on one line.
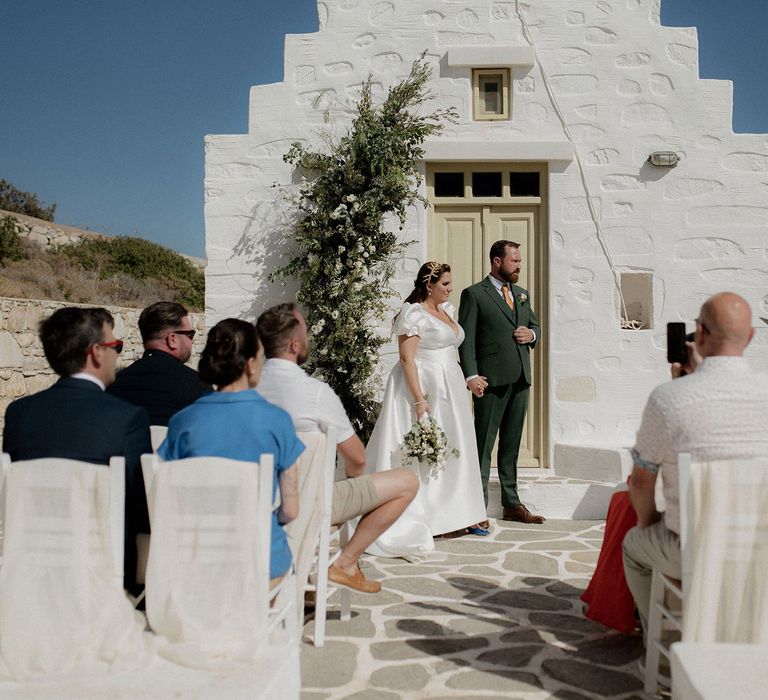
[(379, 498), (717, 412)]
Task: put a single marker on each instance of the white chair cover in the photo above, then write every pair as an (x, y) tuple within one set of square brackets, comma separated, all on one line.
[(157, 434), (208, 571), (727, 553), (62, 605)]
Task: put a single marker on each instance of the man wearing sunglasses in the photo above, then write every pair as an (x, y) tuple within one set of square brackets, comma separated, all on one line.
[(159, 381), (77, 419)]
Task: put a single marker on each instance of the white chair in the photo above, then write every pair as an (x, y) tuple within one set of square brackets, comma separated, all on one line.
[(61, 581), (724, 556), (207, 584), (157, 434), (707, 671), (310, 533)]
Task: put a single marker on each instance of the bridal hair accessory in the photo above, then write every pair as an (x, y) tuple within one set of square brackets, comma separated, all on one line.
[(434, 267), (426, 443)]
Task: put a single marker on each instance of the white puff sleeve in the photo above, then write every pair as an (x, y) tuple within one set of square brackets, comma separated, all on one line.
[(410, 321)]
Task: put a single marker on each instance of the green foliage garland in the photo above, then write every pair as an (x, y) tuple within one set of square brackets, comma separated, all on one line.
[(344, 258)]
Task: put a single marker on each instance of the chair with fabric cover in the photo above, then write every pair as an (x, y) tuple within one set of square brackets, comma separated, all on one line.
[(157, 434), (724, 557), (63, 609), (310, 534), (713, 671), (208, 594)]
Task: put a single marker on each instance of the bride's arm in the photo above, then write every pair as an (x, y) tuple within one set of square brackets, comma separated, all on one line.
[(408, 346)]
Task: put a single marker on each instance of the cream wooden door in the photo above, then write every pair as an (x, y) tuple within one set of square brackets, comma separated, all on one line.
[(462, 237)]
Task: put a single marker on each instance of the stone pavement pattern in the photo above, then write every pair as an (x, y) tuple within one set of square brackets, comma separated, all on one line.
[(500, 617)]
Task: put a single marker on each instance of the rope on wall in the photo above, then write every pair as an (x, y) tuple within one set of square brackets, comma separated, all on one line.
[(626, 322)]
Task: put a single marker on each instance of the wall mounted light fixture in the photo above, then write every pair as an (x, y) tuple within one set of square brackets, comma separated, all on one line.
[(664, 159)]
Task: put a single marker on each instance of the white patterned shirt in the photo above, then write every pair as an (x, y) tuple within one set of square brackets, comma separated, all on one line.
[(718, 412)]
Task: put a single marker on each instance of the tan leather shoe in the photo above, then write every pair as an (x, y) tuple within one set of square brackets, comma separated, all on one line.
[(521, 514), (357, 582)]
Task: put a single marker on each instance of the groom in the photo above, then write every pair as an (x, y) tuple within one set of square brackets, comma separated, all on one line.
[(500, 328)]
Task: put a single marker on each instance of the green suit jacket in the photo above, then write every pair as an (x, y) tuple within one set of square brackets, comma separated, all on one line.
[(489, 348)]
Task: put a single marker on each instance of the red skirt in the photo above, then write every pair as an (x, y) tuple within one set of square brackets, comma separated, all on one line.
[(608, 598)]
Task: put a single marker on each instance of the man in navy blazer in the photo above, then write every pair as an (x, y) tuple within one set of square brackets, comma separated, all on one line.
[(159, 381), (76, 419)]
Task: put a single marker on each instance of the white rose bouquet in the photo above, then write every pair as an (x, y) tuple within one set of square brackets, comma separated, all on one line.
[(426, 443)]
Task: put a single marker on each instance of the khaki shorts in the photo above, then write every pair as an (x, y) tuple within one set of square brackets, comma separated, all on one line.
[(352, 497)]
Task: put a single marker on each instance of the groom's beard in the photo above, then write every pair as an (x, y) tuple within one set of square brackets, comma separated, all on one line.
[(509, 276)]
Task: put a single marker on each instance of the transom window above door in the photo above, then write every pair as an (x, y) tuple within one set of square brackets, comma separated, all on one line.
[(452, 182)]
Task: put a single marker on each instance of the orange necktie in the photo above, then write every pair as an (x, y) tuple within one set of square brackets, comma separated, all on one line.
[(508, 298)]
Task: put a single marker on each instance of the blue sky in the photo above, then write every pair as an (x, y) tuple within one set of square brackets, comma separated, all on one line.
[(105, 104)]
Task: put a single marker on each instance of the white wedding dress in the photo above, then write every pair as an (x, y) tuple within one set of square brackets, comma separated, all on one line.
[(453, 498)]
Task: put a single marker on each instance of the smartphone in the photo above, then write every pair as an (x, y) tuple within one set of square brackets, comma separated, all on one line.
[(677, 351)]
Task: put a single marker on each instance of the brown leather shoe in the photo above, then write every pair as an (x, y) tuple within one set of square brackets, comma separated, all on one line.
[(357, 582), (521, 514)]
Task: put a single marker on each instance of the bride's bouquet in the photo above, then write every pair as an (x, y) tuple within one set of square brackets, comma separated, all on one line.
[(426, 443)]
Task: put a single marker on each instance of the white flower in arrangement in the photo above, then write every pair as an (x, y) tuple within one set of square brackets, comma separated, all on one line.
[(323, 351), (357, 286), (339, 212), (335, 314), (350, 198), (341, 249)]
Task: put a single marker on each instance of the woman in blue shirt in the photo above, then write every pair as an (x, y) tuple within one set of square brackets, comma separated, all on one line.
[(235, 422)]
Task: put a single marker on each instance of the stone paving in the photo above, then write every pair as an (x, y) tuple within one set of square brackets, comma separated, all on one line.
[(500, 617)]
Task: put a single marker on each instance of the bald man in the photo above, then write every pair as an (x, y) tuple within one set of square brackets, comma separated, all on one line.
[(716, 412)]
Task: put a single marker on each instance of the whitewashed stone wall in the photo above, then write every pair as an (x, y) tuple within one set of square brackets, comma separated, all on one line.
[(625, 86), (23, 367)]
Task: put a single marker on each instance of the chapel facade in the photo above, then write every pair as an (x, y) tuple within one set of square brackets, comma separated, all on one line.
[(584, 133)]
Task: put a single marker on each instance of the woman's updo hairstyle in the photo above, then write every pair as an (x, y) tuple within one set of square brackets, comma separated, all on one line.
[(428, 273), (230, 344)]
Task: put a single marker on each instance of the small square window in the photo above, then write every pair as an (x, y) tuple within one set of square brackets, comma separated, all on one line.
[(490, 94), (524, 185), (486, 184), (449, 184)]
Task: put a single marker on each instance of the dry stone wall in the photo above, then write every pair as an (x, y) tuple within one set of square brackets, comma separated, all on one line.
[(23, 367)]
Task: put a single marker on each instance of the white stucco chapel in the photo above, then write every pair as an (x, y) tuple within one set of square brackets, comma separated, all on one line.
[(584, 133)]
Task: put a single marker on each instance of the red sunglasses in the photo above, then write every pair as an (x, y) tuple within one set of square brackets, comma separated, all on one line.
[(116, 345)]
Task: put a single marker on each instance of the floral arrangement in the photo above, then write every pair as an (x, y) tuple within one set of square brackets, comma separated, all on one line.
[(522, 298), (343, 253), (426, 443)]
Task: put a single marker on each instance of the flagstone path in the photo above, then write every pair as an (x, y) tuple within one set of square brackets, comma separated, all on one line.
[(500, 617)]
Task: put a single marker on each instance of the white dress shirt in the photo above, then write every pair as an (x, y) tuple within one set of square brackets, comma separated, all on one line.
[(307, 400)]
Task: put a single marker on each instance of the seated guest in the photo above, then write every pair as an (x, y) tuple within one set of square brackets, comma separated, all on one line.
[(717, 412), (159, 381), (76, 419), (379, 498), (236, 422)]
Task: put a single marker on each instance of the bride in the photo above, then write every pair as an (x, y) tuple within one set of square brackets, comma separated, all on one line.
[(428, 379)]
